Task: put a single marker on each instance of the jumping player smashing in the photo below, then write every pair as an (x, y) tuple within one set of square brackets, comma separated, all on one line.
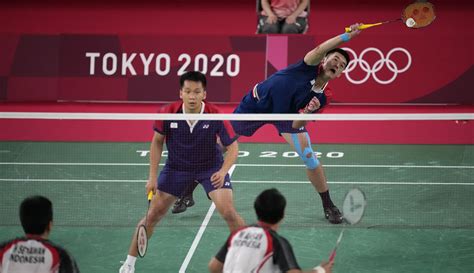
[(300, 88)]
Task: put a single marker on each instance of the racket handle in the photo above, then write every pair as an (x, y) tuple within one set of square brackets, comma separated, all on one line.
[(363, 26), (150, 195), (332, 256)]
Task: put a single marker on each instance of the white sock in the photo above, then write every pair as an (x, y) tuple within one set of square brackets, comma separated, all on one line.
[(131, 260)]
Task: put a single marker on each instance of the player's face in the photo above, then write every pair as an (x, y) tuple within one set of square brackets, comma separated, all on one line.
[(192, 93), (333, 65)]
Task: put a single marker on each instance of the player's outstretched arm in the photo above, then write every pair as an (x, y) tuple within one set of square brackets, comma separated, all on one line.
[(315, 56), (156, 148)]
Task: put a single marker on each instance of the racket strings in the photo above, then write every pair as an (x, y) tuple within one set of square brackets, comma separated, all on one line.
[(142, 236), (416, 15), (421, 13)]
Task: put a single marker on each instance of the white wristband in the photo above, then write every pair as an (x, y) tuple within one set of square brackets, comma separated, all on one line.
[(319, 269)]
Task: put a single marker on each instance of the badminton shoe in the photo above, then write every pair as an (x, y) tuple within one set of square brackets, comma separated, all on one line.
[(333, 215), (182, 204), (127, 268)]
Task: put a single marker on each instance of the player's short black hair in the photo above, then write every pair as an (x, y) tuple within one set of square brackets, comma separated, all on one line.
[(270, 206), (194, 76), (36, 212), (342, 52)]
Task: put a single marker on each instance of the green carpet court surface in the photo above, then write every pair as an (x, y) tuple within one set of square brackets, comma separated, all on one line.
[(419, 216)]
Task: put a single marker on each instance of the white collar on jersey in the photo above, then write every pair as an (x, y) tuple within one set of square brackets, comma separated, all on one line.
[(318, 90), (192, 124)]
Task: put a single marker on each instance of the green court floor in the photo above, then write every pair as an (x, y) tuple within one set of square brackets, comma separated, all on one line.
[(419, 216)]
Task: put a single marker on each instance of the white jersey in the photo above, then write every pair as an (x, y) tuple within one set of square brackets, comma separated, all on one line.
[(256, 249), (27, 255)]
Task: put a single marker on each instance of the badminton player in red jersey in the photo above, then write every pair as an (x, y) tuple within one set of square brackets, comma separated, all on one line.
[(193, 155)]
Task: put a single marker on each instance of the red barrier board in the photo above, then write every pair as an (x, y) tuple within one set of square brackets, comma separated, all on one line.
[(147, 68), (48, 53)]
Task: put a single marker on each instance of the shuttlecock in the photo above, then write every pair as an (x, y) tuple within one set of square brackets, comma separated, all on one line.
[(410, 22)]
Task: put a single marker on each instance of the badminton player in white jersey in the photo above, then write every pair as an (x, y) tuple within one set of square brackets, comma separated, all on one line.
[(34, 253), (259, 248)]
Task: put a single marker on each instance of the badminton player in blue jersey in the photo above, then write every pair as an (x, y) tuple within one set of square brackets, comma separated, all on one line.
[(300, 88), (193, 156)]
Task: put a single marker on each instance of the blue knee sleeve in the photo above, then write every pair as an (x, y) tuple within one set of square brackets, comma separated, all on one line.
[(311, 162)]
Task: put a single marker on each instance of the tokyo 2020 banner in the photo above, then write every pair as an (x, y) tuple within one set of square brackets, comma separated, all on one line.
[(402, 68)]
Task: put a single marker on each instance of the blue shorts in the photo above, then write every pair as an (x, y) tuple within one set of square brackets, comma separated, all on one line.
[(248, 128), (175, 182)]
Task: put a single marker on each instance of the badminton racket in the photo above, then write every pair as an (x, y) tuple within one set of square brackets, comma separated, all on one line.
[(416, 15), (142, 238), (353, 209)]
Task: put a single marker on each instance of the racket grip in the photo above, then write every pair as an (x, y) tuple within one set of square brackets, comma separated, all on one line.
[(363, 26), (150, 196), (332, 256)]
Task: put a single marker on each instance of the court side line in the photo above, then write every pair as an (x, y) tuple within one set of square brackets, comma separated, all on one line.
[(242, 181), (243, 165), (361, 166), (356, 182), (203, 227), (76, 164), (72, 180)]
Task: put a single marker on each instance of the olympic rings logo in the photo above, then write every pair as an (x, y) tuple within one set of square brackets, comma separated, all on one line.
[(377, 66)]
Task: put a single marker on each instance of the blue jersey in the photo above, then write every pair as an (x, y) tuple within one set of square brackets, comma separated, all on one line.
[(286, 91), (194, 147)]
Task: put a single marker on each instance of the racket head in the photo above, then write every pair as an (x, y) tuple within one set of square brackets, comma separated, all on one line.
[(353, 207), (422, 12), (142, 241)]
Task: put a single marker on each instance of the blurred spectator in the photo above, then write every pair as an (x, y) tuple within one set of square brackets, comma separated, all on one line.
[(282, 16)]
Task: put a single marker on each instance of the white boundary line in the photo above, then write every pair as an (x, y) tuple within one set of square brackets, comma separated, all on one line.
[(238, 165), (355, 182), (76, 164), (242, 181), (73, 180), (198, 237), (359, 166)]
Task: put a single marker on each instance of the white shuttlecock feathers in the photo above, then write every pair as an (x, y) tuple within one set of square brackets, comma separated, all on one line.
[(410, 22)]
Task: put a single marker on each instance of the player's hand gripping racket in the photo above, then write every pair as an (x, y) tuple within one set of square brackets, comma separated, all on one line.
[(416, 15), (353, 210), (142, 238)]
